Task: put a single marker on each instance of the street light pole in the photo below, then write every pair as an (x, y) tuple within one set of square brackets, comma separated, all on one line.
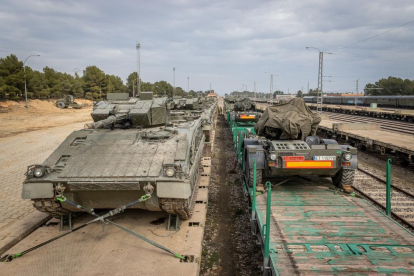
[(24, 69), (319, 100)]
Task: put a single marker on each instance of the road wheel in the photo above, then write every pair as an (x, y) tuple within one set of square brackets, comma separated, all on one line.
[(344, 179), (259, 177), (61, 105)]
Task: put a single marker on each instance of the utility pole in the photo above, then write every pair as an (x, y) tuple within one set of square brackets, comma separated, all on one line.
[(356, 95), (319, 100), (188, 84), (138, 47), (255, 95), (173, 81), (357, 88), (271, 86), (308, 87), (210, 87)]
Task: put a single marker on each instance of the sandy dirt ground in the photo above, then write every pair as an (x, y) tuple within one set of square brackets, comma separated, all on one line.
[(29, 136), (41, 114)]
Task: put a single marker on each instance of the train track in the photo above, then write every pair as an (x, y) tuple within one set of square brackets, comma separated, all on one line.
[(373, 188), (402, 127)]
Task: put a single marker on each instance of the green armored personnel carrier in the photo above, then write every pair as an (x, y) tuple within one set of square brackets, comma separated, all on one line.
[(130, 150), (286, 145)]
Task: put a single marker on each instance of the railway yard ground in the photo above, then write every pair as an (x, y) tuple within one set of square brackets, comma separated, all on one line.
[(314, 229)]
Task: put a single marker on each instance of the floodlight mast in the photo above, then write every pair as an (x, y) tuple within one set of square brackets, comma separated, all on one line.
[(138, 47)]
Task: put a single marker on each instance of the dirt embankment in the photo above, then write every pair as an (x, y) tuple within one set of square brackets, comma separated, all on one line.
[(15, 118)]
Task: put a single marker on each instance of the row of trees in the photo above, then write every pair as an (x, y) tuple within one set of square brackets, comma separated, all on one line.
[(390, 86), (383, 87), (93, 84)]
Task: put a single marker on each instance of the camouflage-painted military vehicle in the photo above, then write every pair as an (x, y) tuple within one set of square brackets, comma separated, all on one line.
[(131, 149), (229, 106), (189, 107), (286, 145), (68, 101)]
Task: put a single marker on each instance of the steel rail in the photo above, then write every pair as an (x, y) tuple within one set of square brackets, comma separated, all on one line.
[(407, 193), (390, 126), (370, 119), (410, 224)]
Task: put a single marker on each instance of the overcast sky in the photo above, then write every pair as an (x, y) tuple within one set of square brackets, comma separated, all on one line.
[(226, 43)]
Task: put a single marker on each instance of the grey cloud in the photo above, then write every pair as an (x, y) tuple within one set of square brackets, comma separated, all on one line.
[(224, 42)]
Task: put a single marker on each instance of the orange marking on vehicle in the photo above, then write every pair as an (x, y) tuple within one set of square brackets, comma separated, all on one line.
[(309, 164), (247, 116)]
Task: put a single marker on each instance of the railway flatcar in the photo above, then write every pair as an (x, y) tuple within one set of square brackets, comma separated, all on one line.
[(381, 101)]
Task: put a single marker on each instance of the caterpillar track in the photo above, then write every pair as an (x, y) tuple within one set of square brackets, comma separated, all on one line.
[(184, 208)]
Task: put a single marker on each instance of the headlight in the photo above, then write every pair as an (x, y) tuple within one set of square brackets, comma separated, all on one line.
[(38, 172), (169, 172), (347, 156), (273, 156)]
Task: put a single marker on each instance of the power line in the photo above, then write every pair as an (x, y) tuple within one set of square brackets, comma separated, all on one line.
[(300, 65), (372, 58), (375, 35), (280, 74)]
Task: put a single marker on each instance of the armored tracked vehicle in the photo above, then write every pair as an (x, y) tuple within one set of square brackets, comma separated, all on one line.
[(286, 145), (190, 108), (130, 150)]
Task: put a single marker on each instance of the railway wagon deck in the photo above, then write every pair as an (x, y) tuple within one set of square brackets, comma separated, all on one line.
[(371, 136), (107, 250), (389, 113), (315, 230)]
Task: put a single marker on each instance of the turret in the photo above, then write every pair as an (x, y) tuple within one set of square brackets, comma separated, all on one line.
[(144, 112)]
